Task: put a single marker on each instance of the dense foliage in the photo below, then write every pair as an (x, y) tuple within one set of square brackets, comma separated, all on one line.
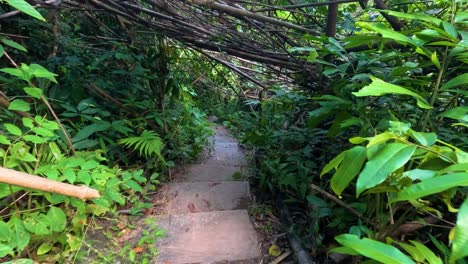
[(113, 115), (387, 136), (368, 151)]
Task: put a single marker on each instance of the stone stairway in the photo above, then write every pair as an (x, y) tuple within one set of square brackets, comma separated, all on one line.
[(205, 214)]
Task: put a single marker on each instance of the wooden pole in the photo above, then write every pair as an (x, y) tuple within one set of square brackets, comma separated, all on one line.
[(26, 180)]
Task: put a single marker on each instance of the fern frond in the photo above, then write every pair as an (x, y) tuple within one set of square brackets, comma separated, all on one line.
[(147, 144)]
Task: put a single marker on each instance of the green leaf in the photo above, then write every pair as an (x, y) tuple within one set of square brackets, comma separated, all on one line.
[(44, 248), (43, 132), (57, 218), (5, 250), (41, 72), (147, 144), (350, 166), (459, 236), (450, 29), (457, 113), (379, 167), (425, 139), (427, 253), (435, 60), (84, 177), (418, 174), (20, 236), (13, 129), (457, 81), (374, 249), (4, 140), (2, 51), (34, 139), (333, 164), (131, 184), (13, 44), (69, 174), (16, 72), (26, 8), (459, 167), (33, 92), (413, 251), (5, 232), (388, 33), (344, 250), (87, 131), (417, 16), (38, 224), (28, 122), (380, 138), (432, 185), (379, 87), (19, 105), (90, 164), (115, 195)]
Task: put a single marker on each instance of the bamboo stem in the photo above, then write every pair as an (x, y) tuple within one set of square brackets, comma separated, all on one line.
[(26, 180)]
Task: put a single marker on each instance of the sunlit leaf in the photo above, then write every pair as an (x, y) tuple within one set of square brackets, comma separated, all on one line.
[(459, 236), (374, 249), (379, 87), (13, 44), (350, 166), (34, 92), (26, 8), (19, 105), (432, 185), (384, 162)]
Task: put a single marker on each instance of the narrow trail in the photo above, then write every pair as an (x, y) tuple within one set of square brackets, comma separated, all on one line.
[(205, 214)]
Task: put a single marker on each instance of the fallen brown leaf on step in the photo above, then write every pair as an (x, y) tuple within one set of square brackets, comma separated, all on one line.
[(128, 234), (192, 207), (138, 250), (208, 204), (121, 225)]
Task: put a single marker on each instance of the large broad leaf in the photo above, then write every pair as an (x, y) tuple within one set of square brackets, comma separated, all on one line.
[(416, 16), (87, 131), (433, 185), (389, 33), (374, 249), (26, 8), (457, 113), (457, 81), (379, 87), (386, 161), (459, 234), (333, 164), (349, 168)]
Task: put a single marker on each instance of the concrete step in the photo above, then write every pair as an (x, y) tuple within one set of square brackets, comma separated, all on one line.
[(213, 172), (208, 237), (195, 197), (226, 157)]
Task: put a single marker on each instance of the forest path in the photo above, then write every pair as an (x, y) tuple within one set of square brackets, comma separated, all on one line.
[(205, 214)]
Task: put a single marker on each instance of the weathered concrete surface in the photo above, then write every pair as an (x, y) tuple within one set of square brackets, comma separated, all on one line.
[(202, 225), (195, 197), (212, 172), (208, 237)]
